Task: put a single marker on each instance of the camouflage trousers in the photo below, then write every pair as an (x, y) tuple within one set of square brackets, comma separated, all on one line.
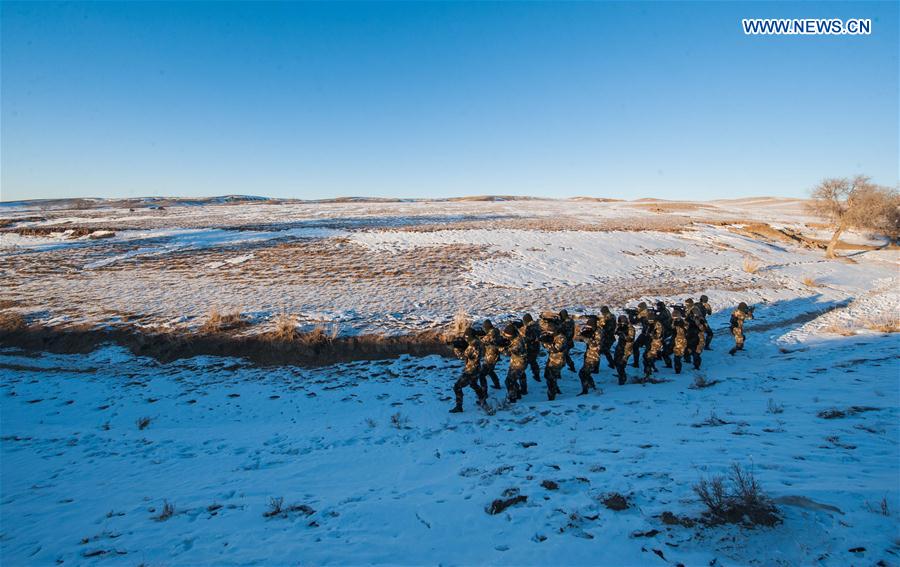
[(552, 375), (532, 358), (487, 369), (516, 383), (468, 379), (738, 337)]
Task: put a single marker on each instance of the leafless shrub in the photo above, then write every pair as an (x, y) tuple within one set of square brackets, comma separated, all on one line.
[(842, 329), (168, 510), (835, 413), (774, 408), (218, 321), (736, 499), (701, 382), (883, 324), (461, 322), (615, 501), (275, 507), (811, 282), (11, 321), (750, 266), (856, 203), (142, 423), (285, 328)]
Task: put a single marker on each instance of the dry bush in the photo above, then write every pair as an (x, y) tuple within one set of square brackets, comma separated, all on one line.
[(750, 266), (218, 321), (883, 324), (168, 510), (842, 329), (285, 328), (11, 321), (811, 282), (736, 499), (461, 322), (143, 423)]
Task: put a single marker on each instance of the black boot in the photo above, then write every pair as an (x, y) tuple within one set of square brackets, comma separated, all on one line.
[(456, 409), (732, 351)]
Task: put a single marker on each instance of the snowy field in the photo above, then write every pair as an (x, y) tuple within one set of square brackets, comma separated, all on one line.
[(109, 458)]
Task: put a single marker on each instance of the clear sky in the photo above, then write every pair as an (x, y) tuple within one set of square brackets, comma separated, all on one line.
[(314, 100)]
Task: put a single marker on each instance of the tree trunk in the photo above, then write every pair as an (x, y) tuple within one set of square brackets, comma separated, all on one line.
[(835, 238)]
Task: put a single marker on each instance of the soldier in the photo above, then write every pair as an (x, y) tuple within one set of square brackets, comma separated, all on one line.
[(470, 351), (516, 381), (608, 327), (491, 341), (665, 318), (737, 325), (641, 340), (654, 343), (707, 309), (531, 332), (624, 346), (591, 334), (555, 342), (679, 337), (696, 334), (567, 327)]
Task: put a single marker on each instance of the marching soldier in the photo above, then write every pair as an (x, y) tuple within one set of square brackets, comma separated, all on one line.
[(664, 316), (642, 338), (591, 334), (567, 327), (624, 346), (470, 351), (737, 325), (679, 337), (607, 324), (654, 343), (555, 342), (531, 332), (707, 309), (696, 335), (491, 341), (516, 381)]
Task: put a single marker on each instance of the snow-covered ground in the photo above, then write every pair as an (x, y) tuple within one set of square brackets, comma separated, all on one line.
[(391, 477), (370, 466)]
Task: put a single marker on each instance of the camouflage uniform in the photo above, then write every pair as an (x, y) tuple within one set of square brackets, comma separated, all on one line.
[(737, 326), (555, 342), (624, 346), (471, 355), (654, 344), (531, 332), (679, 339), (491, 341), (665, 318), (567, 328), (592, 336), (516, 381), (607, 326), (707, 309), (642, 338), (696, 335)]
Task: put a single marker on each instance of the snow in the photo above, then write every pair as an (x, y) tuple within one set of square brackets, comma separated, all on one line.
[(413, 489)]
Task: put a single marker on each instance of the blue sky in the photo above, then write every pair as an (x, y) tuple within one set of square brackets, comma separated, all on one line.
[(314, 100)]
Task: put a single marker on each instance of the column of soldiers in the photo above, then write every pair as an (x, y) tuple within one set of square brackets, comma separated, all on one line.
[(674, 336)]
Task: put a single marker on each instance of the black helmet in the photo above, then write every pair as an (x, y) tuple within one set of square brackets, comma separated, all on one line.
[(591, 321), (487, 325), (527, 318), (510, 330), (469, 334), (563, 314), (604, 310), (703, 299), (623, 319), (660, 305), (642, 305), (743, 306), (689, 301)]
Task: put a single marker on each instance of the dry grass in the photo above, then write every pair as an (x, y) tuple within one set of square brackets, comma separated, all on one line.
[(285, 328), (736, 499), (11, 321), (883, 324), (811, 282), (218, 321), (842, 329), (461, 322), (750, 266)]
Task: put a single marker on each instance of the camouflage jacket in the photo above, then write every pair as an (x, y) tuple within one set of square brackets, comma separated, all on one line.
[(491, 342), (737, 318), (656, 333), (567, 328), (594, 344), (556, 351), (679, 336), (531, 333), (608, 324), (706, 308), (517, 352), (625, 341), (471, 356)]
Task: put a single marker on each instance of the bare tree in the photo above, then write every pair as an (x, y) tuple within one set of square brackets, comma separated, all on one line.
[(856, 203)]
